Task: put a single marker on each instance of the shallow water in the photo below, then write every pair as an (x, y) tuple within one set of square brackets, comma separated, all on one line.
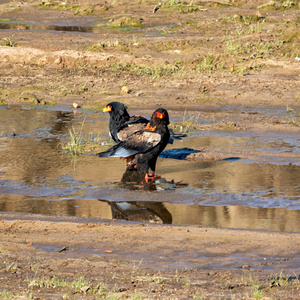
[(70, 28), (90, 25), (37, 177)]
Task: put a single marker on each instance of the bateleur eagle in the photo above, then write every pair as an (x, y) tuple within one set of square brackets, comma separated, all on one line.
[(144, 146), (121, 125)]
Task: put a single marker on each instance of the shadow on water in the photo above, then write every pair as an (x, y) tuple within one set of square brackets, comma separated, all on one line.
[(37, 177)]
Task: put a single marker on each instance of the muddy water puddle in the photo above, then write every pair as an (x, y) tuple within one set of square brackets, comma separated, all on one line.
[(59, 27), (91, 25), (256, 191)]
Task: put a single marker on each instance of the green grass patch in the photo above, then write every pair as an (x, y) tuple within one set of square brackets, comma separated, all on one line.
[(126, 22), (188, 123), (239, 18), (209, 63), (110, 45), (7, 42), (79, 285), (77, 9), (280, 5), (80, 143), (7, 295), (186, 7), (153, 71), (252, 49), (285, 280)]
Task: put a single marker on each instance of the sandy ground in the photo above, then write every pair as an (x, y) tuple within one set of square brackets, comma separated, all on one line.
[(138, 261), (49, 258)]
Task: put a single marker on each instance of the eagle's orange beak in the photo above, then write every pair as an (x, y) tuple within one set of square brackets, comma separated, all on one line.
[(107, 108), (160, 115)]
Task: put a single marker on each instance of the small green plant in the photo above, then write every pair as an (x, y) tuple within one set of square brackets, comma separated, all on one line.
[(187, 124), (181, 6), (279, 280), (158, 279), (136, 267), (172, 3), (74, 143), (209, 63), (252, 29), (126, 22), (64, 5), (8, 42), (283, 280), (81, 143), (289, 109), (80, 285), (292, 116), (7, 295), (45, 282), (292, 121), (279, 5), (103, 45), (257, 292)]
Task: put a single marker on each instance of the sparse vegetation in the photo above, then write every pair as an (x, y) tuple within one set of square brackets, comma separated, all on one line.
[(7, 42), (7, 295), (293, 118), (257, 293), (81, 143), (113, 287), (189, 122), (74, 7), (126, 22), (283, 280), (209, 63), (279, 5), (153, 71)]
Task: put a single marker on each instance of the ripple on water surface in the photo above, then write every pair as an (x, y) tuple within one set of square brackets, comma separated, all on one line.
[(253, 190)]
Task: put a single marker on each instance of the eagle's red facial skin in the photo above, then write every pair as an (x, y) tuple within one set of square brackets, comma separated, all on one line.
[(160, 115)]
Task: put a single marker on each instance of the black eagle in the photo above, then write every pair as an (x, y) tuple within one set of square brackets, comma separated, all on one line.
[(142, 148), (121, 125)]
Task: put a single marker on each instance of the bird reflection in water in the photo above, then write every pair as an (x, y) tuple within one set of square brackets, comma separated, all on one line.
[(140, 211), (143, 211)]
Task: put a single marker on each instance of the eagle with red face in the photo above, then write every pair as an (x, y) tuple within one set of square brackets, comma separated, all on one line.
[(144, 146)]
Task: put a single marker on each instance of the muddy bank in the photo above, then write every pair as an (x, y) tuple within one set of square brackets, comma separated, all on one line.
[(148, 261), (197, 54)]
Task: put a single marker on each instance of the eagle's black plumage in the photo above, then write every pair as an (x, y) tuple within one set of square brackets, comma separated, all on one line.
[(144, 145), (121, 125)]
